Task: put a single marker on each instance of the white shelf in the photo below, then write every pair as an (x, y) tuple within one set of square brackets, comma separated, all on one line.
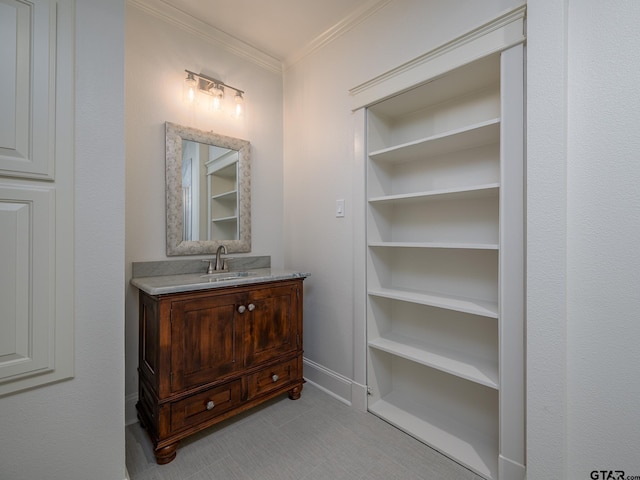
[(469, 192), (447, 360), (469, 447), (448, 302), (482, 133), (460, 217), (225, 219), (226, 196), (466, 246)]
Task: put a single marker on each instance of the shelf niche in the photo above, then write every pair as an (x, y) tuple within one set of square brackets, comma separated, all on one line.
[(444, 254)]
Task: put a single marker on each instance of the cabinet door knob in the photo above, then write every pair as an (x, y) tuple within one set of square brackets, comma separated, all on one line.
[(210, 405), (241, 309), (275, 378), (251, 307)]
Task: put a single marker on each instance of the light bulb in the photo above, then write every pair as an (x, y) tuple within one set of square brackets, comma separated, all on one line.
[(217, 92), (239, 101), (190, 85)]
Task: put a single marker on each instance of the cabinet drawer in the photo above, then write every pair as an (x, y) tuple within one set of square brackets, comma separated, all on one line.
[(204, 406), (272, 378)]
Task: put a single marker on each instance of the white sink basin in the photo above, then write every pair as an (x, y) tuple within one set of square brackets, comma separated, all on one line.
[(223, 276)]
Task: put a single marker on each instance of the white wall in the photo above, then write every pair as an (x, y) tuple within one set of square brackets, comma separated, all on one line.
[(584, 224), (157, 53), (546, 239), (603, 261), (74, 430), (321, 165)]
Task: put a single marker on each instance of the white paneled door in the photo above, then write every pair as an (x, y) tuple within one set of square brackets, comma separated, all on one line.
[(36, 193)]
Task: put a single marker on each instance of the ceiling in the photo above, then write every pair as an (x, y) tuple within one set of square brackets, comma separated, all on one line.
[(279, 28)]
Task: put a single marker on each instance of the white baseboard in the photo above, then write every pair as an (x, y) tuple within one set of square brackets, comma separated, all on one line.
[(130, 413), (359, 396), (509, 469), (335, 384)]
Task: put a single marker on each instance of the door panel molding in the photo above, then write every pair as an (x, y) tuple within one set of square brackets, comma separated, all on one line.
[(27, 88)]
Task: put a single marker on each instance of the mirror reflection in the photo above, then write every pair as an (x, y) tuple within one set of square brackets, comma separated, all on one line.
[(208, 192)]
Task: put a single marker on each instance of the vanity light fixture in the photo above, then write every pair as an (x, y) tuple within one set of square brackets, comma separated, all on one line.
[(214, 88)]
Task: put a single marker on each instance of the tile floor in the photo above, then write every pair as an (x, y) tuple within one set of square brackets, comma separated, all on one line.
[(314, 438)]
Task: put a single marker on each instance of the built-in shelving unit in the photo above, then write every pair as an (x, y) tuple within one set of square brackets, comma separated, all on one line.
[(438, 191)]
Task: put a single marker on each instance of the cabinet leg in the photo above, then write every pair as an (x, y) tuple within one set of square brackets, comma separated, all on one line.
[(294, 393), (166, 454)]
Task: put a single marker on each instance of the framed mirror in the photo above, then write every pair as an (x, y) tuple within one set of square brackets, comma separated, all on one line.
[(208, 182)]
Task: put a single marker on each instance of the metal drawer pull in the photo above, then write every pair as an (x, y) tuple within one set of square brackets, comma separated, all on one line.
[(251, 307), (210, 405), (241, 309), (275, 378)]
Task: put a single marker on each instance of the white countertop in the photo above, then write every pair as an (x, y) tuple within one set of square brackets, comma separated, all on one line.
[(164, 284)]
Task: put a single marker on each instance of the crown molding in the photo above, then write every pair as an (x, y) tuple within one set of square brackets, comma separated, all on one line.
[(180, 19), (500, 33), (343, 26)]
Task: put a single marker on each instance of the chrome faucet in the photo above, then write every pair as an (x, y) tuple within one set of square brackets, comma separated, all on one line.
[(220, 264)]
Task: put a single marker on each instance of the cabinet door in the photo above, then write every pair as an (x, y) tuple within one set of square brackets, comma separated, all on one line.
[(271, 327), (205, 340)]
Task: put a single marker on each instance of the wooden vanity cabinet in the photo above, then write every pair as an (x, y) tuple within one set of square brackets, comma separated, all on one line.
[(205, 356)]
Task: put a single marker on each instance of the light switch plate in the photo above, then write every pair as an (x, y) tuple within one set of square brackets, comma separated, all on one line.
[(339, 208)]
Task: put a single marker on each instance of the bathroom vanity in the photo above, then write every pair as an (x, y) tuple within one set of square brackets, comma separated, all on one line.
[(212, 346)]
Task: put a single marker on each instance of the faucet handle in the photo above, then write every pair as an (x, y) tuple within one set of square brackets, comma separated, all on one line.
[(210, 268)]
